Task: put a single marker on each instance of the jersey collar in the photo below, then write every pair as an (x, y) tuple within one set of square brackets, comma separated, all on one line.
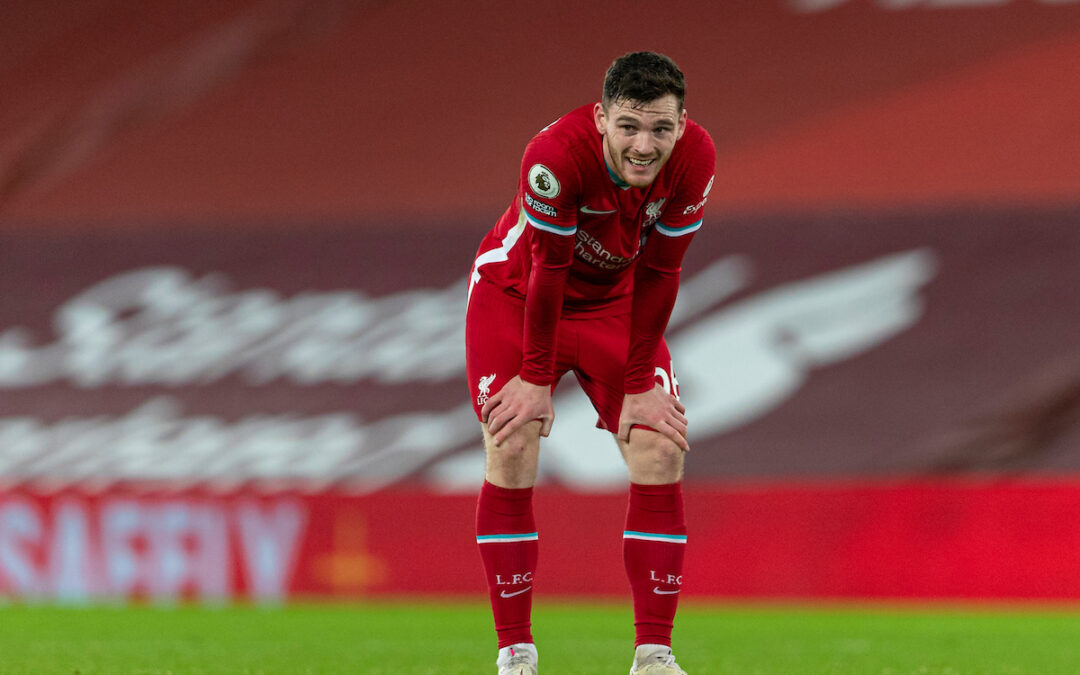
[(615, 178)]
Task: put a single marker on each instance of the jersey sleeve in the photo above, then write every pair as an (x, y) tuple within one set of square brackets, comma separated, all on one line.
[(656, 275), (549, 190), (656, 284), (687, 207)]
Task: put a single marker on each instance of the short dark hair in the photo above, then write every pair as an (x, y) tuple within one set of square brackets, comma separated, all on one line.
[(643, 77)]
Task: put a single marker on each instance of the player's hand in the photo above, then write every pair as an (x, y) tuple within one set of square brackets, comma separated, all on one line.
[(515, 405), (658, 410)]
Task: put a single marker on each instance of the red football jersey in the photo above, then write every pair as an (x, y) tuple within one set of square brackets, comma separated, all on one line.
[(573, 238)]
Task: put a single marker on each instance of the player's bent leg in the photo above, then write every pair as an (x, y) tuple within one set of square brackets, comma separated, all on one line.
[(654, 545), (507, 536)]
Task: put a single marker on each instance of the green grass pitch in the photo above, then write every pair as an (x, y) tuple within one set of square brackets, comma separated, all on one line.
[(448, 638)]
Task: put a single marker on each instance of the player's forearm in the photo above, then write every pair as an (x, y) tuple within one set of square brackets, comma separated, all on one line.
[(543, 307), (654, 298), (656, 284)]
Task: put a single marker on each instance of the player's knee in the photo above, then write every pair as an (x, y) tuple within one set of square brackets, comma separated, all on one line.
[(524, 440), (654, 458), (514, 471), (665, 452), (513, 462)]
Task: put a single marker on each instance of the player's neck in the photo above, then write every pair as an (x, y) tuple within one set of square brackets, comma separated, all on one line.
[(615, 177)]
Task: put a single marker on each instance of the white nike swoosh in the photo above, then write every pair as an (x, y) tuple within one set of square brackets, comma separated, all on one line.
[(510, 595), (656, 589), (594, 212)]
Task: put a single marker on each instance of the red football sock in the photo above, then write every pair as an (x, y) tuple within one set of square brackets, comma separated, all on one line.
[(506, 535), (653, 546)]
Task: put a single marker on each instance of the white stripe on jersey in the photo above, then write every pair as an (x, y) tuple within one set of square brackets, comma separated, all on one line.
[(548, 227), (685, 229), (499, 254)]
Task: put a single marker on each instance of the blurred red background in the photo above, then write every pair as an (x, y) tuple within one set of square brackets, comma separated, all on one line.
[(233, 242)]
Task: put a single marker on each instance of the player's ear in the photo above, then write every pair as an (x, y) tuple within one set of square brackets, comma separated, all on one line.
[(682, 125), (600, 117)]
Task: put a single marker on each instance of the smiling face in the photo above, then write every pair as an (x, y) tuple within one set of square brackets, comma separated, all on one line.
[(638, 137)]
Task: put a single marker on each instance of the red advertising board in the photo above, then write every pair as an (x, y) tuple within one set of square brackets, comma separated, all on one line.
[(995, 539)]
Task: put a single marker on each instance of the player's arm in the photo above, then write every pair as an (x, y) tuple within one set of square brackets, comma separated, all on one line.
[(528, 395), (549, 210), (656, 285)]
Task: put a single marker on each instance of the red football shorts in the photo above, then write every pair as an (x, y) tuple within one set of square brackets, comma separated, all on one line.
[(594, 347)]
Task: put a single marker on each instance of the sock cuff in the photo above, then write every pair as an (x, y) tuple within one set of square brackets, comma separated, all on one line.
[(506, 501), (656, 510), (656, 498), (656, 490)]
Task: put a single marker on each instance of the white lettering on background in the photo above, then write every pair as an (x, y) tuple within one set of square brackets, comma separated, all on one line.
[(270, 541), (20, 531), (71, 570), (165, 550), (162, 326), (738, 361)]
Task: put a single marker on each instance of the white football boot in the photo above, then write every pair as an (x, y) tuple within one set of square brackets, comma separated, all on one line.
[(655, 660), (519, 659)]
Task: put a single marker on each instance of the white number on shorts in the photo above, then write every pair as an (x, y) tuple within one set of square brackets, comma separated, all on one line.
[(670, 384)]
